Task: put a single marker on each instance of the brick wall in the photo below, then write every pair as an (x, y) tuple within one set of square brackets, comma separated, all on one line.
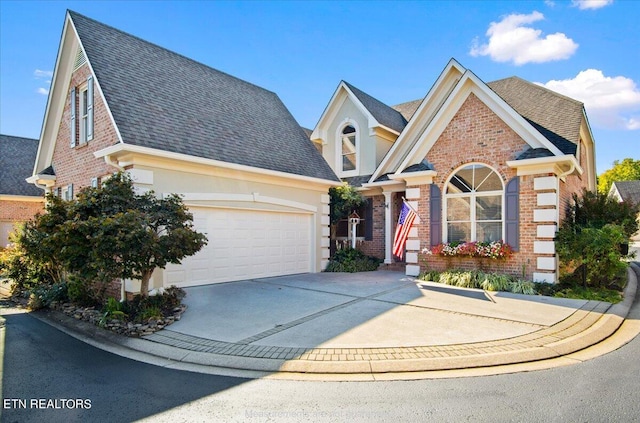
[(77, 165), (19, 210), (375, 247), (476, 134)]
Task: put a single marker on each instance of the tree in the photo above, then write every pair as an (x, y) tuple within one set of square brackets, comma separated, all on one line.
[(344, 200), (596, 209), (627, 170), (114, 233)]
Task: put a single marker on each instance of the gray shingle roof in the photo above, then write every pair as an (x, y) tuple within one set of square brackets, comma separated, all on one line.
[(407, 109), (556, 117), (162, 100), (357, 181), (17, 157), (384, 114), (534, 153), (629, 190)]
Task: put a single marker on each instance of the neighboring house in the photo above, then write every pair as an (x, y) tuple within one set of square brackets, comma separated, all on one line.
[(19, 200), (247, 171), (629, 192), (478, 162)]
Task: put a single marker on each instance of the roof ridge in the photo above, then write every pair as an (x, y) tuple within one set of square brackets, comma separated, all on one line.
[(20, 137), (72, 13), (537, 86)]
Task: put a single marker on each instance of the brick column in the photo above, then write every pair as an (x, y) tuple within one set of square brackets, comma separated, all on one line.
[(545, 215), (413, 241)]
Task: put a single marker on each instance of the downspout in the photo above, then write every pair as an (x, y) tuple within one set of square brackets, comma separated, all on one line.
[(572, 168)]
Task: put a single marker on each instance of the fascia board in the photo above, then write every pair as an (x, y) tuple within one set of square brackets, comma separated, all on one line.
[(22, 198), (120, 150), (54, 94), (451, 71), (98, 87), (371, 121), (470, 83), (317, 133), (553, 164)]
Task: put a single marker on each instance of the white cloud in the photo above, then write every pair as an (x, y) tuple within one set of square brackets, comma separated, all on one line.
[(42, 74), (550, 3), (511, 40), (43, 91), (591, 4), (611, 102)]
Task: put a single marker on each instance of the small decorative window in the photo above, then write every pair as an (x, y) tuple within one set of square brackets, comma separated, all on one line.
[(474, 205), (349, 151)]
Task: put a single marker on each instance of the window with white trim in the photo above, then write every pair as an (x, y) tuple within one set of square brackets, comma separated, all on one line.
[(81, 111), (349, 149), (474, 205)]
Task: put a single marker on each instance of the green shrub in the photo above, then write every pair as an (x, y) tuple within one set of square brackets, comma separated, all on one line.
[(150, 312), (592, 251), (113, 309), (352, 260), (496, 282), (521, 286), (42, 295), (431, 275)]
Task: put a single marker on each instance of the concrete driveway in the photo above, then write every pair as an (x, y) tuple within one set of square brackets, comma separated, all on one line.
[(361, 310)]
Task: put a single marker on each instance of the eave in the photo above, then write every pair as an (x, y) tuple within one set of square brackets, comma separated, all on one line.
[(559, 165), (127, 155)]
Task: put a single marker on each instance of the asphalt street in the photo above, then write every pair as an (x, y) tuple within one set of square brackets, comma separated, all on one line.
[(41, 363)]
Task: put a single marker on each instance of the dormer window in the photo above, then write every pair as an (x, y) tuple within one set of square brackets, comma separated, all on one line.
[(349, 151)]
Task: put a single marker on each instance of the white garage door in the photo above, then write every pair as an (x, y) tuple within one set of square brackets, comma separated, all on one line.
[(245, 244)]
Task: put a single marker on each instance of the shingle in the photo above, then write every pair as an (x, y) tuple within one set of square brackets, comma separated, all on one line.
[(357, 181), (629, 190), (534, 153), (407, 109), (17, 157), (384, 114), (162, 100), (555, 116)]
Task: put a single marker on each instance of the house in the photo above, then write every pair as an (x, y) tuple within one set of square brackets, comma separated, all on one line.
[(628, 191), (255, 183), (476, 161), (19, 200)]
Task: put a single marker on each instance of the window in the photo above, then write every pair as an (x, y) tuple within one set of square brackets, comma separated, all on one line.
[(473, 205), (81, 125), (83, 115), (349, 151)]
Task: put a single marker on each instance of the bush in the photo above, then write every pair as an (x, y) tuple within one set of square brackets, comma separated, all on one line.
[(521, 286), (155, 306), (496, 282), (431, 275), (42, 296), (595, 252), (352, 260)]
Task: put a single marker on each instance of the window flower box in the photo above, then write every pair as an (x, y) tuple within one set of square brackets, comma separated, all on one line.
[(496, 250)]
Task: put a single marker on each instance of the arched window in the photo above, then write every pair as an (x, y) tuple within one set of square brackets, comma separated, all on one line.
[(473, 201), (349, 151)]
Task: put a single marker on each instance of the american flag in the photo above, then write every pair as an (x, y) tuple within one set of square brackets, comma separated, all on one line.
[(407, 216)]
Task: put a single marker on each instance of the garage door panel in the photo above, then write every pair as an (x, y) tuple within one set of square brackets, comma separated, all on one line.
[(245, 244)]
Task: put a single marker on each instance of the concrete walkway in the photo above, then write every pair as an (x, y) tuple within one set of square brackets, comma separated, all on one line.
[(365, 326)]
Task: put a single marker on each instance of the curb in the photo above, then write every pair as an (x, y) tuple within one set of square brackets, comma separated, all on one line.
[(579, 337)]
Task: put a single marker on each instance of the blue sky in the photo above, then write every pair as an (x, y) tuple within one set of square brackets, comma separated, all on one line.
[(394, 51)]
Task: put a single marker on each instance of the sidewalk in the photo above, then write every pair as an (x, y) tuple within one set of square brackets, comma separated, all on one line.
[(367, 328)]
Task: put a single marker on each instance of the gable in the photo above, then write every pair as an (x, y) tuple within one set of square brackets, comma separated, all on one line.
[(160, 100), (475, 133)]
